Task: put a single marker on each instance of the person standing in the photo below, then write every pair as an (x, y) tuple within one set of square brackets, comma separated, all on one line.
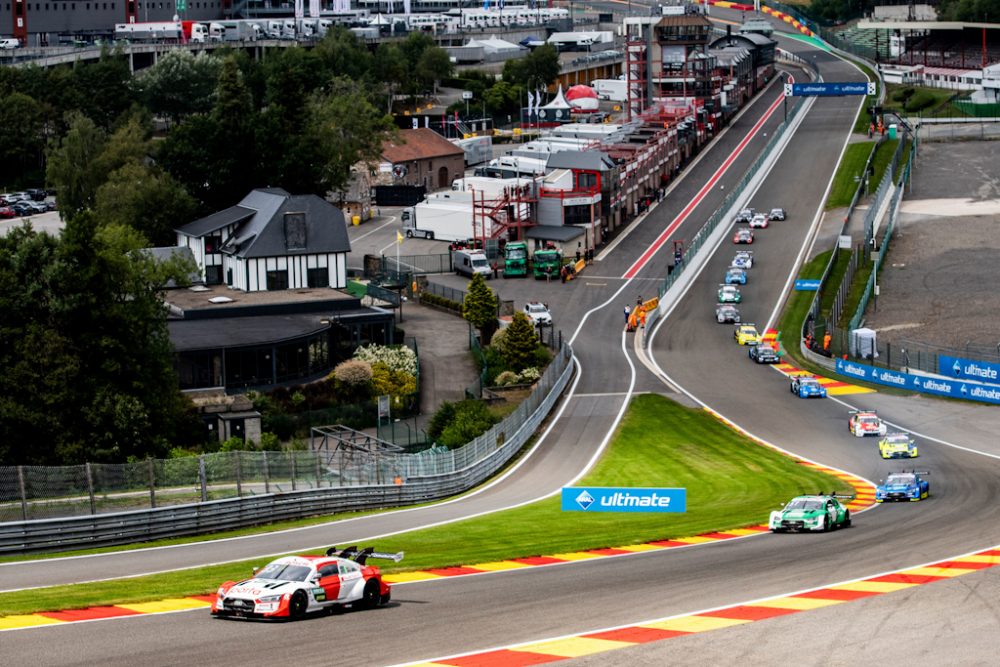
[(826, 341), (628, 311), (642, 318)]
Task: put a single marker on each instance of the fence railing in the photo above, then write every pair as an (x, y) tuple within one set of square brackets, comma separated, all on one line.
[(261, 487), (446, 292)]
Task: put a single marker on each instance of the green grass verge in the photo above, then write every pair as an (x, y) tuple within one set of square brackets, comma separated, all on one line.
[(883, 155), (730, 482), (797, 307), (852, 165), (941, 107), (833, 283)]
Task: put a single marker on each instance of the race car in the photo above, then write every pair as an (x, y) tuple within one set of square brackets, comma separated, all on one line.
[(865, 422), (293, 586), (726, 314), (746, 334), (729, 294), (763, 354), (897, 446), (759, 221), (743, 235), (538, 313), (743, 259), (905, 485), (776, 214), (736, 276), (821, 512), (806, 386), (746, 215)]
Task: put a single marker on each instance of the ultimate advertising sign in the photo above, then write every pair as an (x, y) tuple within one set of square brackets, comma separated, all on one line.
[(922, 383), (969, 369), (627, 499), (831, 89)]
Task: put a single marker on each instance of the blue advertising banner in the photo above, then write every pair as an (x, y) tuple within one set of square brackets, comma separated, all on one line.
[(921, 383), (830, 89), (807, 285), (627, 499), (969, 369)]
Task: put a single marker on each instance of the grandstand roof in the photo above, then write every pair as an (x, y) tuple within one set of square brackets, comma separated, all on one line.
[(923, 25)]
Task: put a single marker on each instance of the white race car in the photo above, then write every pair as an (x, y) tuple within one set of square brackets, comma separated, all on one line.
[(865, 422), (293, 586)]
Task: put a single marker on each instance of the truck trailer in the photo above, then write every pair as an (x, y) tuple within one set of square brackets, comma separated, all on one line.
[(439, 219)]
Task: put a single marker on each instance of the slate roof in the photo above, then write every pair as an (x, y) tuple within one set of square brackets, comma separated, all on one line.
[(418, 144), (590, 160), (561, 233), (216, 221), (262, 233)]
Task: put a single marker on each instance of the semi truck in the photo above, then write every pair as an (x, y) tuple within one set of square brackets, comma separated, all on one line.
[(240, 31), (150, 31), (439, 219), (547, 263), (610, 89), (515, 260)]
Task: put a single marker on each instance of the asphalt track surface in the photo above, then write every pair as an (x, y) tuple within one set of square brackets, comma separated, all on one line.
[(457, 615)]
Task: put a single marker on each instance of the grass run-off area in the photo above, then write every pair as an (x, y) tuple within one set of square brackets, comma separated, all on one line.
[(852, 166), (730, 481), (790, 323)]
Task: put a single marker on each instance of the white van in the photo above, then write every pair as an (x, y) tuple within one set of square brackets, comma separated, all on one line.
[(471, 262), (9, 43)]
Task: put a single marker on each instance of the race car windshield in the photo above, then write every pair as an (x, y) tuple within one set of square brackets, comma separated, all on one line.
[(869, 420), (899, 479), (897, 440), (801, 504), (284, 572), (535, 308)]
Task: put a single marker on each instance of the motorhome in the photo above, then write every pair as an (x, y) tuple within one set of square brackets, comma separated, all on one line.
[(511, 166)]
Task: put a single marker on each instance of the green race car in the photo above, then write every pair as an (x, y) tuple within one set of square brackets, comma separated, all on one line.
[(729, 294), (813, 513)]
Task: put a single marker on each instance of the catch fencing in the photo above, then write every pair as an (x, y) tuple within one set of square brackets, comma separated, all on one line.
[(96, 504)]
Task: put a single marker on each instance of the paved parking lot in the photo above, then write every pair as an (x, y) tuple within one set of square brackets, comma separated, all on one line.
[(43, 222)]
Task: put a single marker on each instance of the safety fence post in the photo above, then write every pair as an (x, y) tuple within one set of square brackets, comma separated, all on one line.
[(24, 497), (151, 474), (201, 478), (90, 489)]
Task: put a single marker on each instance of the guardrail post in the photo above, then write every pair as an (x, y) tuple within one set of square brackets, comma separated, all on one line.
[(90, 488), (24, 496), (319, 470), (267, 474), (201, 478), (239, 475), (152, 482), (292, 456)]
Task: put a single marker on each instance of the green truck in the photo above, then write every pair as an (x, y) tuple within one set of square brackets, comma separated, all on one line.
[(547, 263), (515, 260)]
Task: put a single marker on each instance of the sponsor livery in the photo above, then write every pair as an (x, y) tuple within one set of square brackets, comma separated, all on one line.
[(897, 446), (865, 422), (810, 513), (806, 386), (746, 334), (291, 587), (903, 486)]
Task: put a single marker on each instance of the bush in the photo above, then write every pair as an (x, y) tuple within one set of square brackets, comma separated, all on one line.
[(506, 378), (521, 342), (472, 418), (396, 383), (280, 424), (495, 364), (269, 442), (353, 373), (903, 94), (444, 416), (919, 100), (398, 358), (440, 302), (530, 374), (234, 444), (540, 357)]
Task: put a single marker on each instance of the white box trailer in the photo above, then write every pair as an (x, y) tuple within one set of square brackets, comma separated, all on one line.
[(615, 90), (241, 31), (439, 219), (149, 31)]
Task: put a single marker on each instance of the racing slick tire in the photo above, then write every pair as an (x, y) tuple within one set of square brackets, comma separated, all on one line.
[(297, 605), (827, 524), (384, 600), (847, 519), (371, 596)]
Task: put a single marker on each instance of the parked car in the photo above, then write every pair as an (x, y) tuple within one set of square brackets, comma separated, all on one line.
[(37, 194), (22, 208), (7, 212)]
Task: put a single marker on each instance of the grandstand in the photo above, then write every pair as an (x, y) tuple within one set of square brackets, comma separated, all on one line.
[(946, 44)]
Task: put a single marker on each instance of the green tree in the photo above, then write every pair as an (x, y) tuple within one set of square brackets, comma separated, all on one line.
[(22, 139), (188, 155), (520, 342), (969, 10), (502, 97), (345, 128), (341, 52), (179, 84), (434, 64), (538, 68), (390, 68), (147, 200), (472, 418), (480, 307), (69, 165), (102, 90)]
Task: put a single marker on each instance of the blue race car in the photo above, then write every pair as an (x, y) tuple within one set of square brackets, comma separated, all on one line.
[(743, 260), (807, 387), (736, 276), (906, 485)]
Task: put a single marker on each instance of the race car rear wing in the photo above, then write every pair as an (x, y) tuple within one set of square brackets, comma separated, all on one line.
[(862, 412), (362, 555)]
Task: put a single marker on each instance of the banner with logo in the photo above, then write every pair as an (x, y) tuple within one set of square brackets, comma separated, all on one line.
[(929, 385), (623, 499), (969, 369)]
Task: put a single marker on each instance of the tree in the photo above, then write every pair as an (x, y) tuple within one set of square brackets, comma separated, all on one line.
[(22, 139), (102, 90), (502, 97), (538, 68), (146, 199), (390, 68), (345, 128), (69, 165), (434, 64), (179, 84), (341, 52), (520, 342), (480, 307)]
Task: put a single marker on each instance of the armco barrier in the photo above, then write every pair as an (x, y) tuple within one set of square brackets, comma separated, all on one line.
[(461, 470), (935, 385)]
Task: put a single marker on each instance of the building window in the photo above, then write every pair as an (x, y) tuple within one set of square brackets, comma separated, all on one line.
[(277, 280), (586, 180), (318, 277), (213, 275), (212, 244)]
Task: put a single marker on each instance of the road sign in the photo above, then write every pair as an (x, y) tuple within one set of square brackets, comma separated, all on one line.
[(807, 285), (627, 499), (182, 5), (831, 89), (466, 94)]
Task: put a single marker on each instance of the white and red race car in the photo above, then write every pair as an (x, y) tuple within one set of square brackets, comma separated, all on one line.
[(293, 586), (865, 422)]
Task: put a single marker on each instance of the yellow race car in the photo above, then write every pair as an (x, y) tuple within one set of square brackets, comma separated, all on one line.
[(746, 334)]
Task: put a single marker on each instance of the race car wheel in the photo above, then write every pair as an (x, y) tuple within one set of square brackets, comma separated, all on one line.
[(297, 605), (847, 519), (384, 600), (827, 524), (371, 595)]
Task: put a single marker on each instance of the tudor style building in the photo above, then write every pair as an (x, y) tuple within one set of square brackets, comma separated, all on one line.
[(271, 241)]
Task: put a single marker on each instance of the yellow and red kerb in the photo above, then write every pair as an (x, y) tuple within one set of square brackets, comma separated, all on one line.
[(547, 651), (791, 20), (833, 387)]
